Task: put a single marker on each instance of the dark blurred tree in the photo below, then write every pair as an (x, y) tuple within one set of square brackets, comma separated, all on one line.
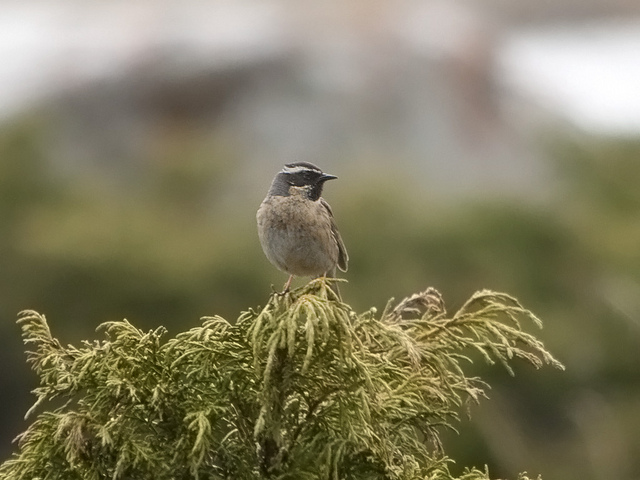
[(171, 237)]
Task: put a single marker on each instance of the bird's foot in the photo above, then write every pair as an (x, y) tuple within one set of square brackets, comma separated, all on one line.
[(286, 288)]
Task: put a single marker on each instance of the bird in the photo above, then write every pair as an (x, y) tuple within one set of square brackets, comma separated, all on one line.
[(296, 227)]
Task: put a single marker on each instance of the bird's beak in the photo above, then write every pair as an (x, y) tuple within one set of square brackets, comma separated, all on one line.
[(326, 176)]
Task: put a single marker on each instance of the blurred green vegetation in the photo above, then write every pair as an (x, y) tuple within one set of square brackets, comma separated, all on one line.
[(174, 238)]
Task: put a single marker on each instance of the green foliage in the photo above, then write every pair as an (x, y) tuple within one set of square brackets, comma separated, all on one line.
[(304, 388)]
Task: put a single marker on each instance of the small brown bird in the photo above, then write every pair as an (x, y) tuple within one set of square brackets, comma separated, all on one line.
[(296, 226)]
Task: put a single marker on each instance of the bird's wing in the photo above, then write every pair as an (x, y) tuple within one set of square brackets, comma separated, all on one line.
[(343, 256)]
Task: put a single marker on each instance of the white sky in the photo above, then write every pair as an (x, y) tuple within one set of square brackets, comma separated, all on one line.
[(590, 74)]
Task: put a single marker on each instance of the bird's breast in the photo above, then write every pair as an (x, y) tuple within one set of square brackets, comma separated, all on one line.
[(295, 234)]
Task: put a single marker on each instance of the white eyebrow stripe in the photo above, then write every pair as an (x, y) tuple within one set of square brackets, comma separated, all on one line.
[(298, 169)]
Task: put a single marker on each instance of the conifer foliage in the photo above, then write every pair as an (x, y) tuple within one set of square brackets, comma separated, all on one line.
[(302, 389)]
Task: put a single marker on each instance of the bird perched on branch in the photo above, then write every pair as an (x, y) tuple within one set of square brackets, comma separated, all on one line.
[(296, 226)]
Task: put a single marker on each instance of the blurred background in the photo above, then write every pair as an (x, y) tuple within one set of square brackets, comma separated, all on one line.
[(479, 144)]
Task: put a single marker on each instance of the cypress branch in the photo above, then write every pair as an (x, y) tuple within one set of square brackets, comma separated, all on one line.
[(304, 388)]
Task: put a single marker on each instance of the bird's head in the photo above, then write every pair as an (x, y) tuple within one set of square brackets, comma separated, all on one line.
[(300, 178)]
